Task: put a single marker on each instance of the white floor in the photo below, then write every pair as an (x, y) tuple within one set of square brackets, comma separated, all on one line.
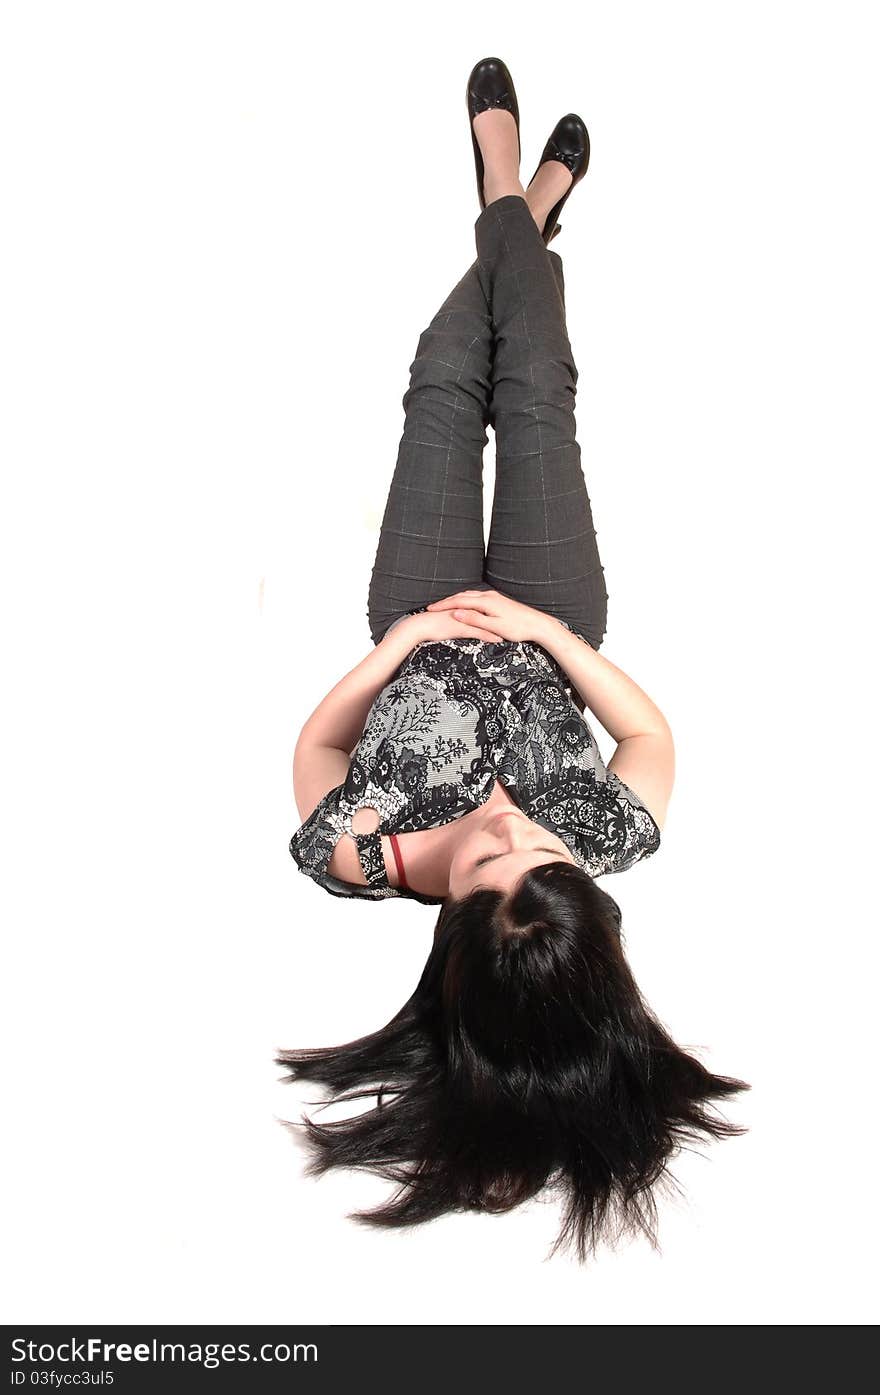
[(212, 278)]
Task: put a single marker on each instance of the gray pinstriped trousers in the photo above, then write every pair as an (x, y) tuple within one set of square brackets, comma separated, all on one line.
[(496, 353)]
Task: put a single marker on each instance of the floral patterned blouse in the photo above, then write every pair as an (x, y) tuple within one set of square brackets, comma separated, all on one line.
[(458, 715)]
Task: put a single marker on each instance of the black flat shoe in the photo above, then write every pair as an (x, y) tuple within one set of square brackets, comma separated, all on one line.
[(569, 143), (489, 85)]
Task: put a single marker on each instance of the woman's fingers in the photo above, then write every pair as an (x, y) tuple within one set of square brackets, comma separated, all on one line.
[(467, 624), (460, 598), (474, 618)]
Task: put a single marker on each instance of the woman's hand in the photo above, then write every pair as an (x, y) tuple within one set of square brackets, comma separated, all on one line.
[(506, 618), (441, 624)]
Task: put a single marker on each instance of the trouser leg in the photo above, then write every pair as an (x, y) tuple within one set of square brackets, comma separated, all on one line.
[(431, 540), (542, 546)]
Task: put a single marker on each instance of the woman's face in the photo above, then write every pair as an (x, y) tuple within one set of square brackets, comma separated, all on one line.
[(496, 850)]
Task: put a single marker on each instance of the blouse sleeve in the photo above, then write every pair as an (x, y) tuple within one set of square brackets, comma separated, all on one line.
[(642, 832), (311, 848)]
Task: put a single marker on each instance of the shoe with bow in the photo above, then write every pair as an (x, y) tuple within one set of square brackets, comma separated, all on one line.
[(569, 142), (489, 85)]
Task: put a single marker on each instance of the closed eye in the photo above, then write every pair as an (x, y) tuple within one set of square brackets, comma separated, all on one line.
[(490, 857)]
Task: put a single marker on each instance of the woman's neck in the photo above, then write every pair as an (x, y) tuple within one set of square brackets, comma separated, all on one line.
[(427, 855)]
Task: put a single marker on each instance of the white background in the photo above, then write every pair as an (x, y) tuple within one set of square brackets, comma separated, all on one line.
[(225, 227)]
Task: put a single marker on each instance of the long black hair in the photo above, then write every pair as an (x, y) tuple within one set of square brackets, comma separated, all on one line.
[(526, 1058)]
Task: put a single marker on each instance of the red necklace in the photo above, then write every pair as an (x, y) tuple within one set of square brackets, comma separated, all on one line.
[(395, 848)]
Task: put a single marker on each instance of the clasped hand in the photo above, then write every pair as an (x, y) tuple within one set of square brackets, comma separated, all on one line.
[(484, 615)]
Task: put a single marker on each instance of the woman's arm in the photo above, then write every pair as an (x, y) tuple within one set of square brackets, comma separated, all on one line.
[(620, 704), (644, 757), (321, 758), (645, 753), (322, 755), (339, 718)]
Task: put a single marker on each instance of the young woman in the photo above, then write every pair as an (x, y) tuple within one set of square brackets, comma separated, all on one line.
[(453, 766)]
